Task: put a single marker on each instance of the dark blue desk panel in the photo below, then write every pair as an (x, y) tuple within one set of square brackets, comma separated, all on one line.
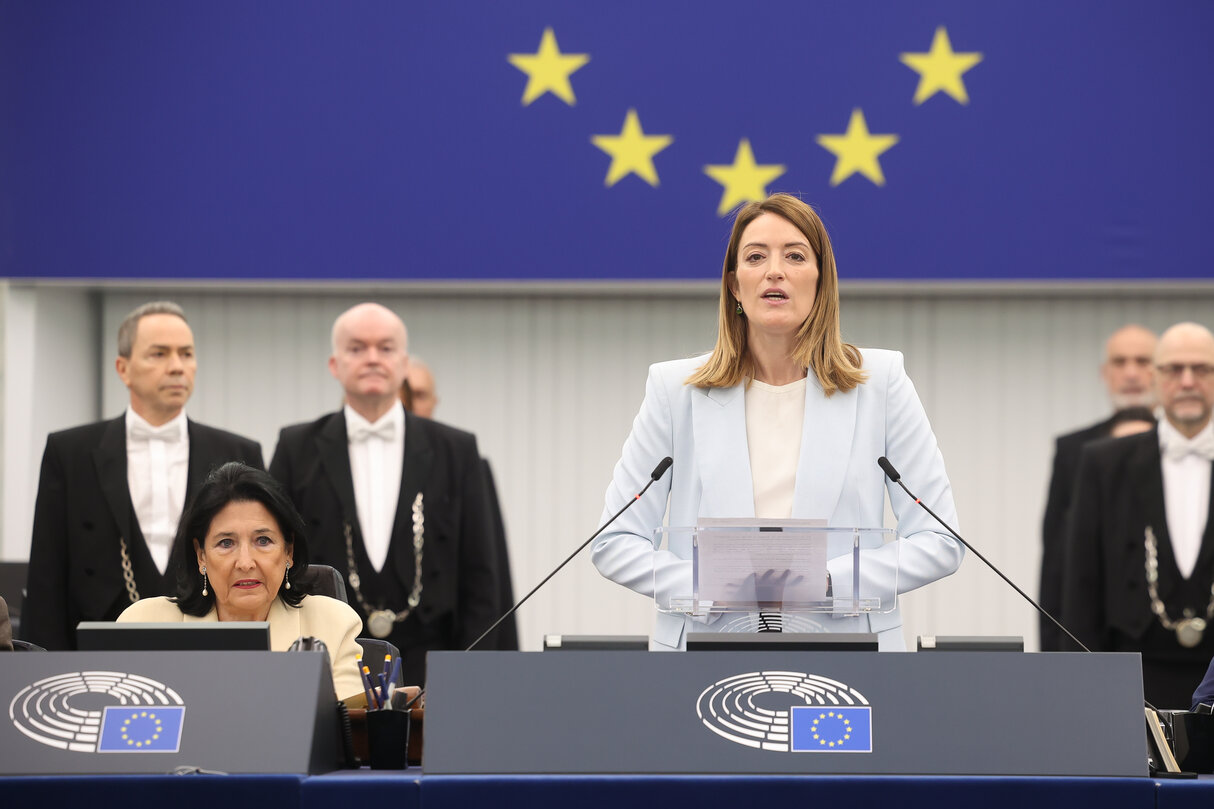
[(175, 791), (366, 789), (1196, 794), (730, 792), (408, 790)]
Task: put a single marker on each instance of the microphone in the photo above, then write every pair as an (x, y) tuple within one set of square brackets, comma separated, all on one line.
[(654, 477), (892, 474)]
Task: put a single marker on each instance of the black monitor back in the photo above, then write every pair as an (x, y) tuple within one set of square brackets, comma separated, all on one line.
[(226, 636), (781, 642)]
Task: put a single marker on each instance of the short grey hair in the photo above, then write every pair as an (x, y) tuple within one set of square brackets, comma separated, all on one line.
[(129, 325)]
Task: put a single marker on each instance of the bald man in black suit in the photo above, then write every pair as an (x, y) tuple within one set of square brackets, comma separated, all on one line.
[(395, 501)]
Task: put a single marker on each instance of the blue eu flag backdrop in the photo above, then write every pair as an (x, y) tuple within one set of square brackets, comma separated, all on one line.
[(141, 729), (475, 139)]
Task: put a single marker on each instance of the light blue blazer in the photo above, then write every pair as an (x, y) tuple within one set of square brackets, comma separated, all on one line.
[(704, 431)]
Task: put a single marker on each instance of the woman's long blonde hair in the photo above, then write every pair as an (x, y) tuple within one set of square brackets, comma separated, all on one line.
[(819, 346)]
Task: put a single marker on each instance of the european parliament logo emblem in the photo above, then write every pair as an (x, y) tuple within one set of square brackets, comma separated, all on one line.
[(100, 712), (789, 712), (141, 730)]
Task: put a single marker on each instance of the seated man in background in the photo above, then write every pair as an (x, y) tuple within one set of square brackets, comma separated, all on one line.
[(110, 494)]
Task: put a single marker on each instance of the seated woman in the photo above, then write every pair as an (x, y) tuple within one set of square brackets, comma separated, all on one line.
[(239, 544)]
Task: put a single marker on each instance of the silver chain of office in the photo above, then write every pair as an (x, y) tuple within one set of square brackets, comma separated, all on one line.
[(1190, 629), (380, 621), (128, 572)]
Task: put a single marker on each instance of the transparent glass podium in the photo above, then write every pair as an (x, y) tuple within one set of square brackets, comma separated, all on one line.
[(775, 575)]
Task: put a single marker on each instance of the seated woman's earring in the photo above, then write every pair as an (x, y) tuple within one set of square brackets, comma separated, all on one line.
[(287, 576), (737, 307), (204, 579)]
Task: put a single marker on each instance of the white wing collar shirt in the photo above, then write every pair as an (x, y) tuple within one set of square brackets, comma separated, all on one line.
[(377, 453), (157, 469), (1186, 489)]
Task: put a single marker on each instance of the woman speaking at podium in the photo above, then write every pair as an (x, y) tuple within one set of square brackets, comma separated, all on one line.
[(782, 420), (240, 555)]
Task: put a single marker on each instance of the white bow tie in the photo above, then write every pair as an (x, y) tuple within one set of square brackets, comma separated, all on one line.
[(385, 431), (1177, 447), (170, 433)]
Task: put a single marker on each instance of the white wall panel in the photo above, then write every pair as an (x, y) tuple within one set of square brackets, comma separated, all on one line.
[(50, 381), (550, 383)]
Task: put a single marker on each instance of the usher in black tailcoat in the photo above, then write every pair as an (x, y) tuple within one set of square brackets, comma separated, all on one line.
[(459, 595), (1118, 493)]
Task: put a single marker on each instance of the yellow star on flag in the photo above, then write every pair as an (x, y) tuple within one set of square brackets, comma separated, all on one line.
[(744, 181), (857, 150), (631, 151), (940, 69), (548, 70)]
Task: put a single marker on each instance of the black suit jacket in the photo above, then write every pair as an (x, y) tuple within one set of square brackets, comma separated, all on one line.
[(505, 637), (83, 508), (1054, 530), (1118, 493), (459, 591)]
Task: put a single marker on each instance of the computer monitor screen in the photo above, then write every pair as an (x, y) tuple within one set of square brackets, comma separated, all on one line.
[(224, 636)]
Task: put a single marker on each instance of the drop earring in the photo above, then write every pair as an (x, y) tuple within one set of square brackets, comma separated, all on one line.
[(204, 580), (738, 307), (287, 576)]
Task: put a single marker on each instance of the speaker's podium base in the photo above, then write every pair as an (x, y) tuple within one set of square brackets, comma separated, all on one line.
[(155, 712), (945, 713)]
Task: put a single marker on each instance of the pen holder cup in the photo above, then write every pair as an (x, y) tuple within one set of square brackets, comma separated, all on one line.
[(388, 739)]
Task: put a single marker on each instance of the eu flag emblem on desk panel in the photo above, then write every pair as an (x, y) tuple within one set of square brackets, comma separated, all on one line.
[(141, 729), (823, 729)]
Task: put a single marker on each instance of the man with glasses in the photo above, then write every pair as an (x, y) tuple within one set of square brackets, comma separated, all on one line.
[(1139, 566), (1127, 372)]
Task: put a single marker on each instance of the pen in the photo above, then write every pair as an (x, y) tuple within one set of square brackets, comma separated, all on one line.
[(358, 664), (395, 675), (372, 700), (386, 680), (383, 690)]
